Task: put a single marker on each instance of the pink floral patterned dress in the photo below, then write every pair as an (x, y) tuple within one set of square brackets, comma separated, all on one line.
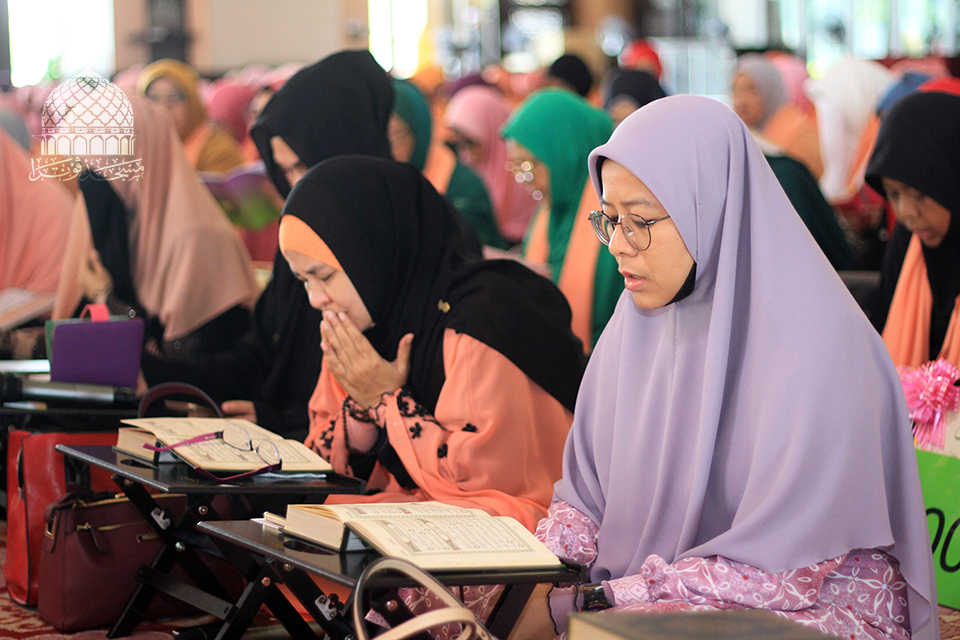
[(859, 595)]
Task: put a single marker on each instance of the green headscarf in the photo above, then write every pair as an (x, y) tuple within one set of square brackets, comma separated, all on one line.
[(466, 190), (560, 129), (412, 107)]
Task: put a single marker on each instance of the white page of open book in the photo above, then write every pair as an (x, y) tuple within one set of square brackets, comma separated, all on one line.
[(454, 541), (216, 454)]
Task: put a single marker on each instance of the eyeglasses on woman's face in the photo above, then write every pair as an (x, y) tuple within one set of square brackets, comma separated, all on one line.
[(636, 230)]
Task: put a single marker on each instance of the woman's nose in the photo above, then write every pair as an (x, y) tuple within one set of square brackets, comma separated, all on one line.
[(318, 299), (618, 243), (907, 209)]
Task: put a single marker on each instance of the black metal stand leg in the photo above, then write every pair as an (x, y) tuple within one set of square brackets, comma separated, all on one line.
[(288, 616), (175, 549), (254, 571), (76, 472), (259, 590), (142, 596), (501, 621), (310, 596), (391, 606)]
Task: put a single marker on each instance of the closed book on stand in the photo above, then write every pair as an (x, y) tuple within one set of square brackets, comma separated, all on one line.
[(738, 624)]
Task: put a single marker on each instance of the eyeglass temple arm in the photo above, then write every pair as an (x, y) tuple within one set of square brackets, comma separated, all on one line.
[(201, 438)]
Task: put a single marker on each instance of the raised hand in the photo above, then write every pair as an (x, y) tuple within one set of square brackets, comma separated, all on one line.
[(95, 280), (356, 365)]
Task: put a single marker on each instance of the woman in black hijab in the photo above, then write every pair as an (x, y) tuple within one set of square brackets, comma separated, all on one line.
[(627, 91), (340, 105), (444, 377), (916, 167)]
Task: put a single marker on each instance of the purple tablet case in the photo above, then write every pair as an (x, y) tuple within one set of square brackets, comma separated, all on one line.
[(97, 352)]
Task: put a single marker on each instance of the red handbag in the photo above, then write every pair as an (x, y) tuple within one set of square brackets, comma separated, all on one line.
[(92, 548), (35, 478)]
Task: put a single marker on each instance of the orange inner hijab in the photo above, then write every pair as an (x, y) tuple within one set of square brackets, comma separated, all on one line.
[(579, 262), (296, 235), (907, 332), (439, 167), (196, 141), (796, 134)]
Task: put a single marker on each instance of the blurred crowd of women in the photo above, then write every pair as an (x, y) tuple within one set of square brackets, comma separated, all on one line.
[(415, 275)]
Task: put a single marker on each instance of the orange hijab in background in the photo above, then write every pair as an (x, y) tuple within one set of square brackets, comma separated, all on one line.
[(208, 147), (187, 264), (782, 123), (919, 145), (34, 218)]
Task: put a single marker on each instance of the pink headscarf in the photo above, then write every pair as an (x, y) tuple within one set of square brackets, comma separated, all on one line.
[(253, 75), (793, 71), (126, 79), (478, 112), (277, 77), (34, 219), (188, 265), (932, 66), (227, 107), (760, 418)]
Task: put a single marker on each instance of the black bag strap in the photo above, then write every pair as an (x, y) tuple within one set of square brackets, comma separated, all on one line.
[(68, 500), (167, 389)]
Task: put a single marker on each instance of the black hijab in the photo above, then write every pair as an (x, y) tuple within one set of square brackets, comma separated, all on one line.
[(400, 244), (109, 219), (639, 86), (919, 145), (339, 105), (574, 71)]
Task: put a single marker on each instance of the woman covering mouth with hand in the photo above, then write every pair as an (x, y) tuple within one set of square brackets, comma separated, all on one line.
[(444, 377)]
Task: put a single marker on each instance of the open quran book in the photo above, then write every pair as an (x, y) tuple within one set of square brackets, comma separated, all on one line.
[(432, 535), (18, 306), (216, 454)]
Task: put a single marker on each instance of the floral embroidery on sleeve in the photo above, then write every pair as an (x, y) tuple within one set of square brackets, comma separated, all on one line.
[(410, 408), (860, 595), (324, 441), (569, 533), (720, 581)]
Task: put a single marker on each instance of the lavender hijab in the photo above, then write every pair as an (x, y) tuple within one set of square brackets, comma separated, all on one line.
[(760, 418)]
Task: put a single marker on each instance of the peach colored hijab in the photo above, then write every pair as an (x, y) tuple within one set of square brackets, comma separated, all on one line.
[(907, 331), (188, 265), (34, 217), (783, 124)]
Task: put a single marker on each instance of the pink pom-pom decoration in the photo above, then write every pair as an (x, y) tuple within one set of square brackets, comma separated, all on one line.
[(931, 392)]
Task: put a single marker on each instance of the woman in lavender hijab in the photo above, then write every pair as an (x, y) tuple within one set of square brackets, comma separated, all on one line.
[(740, 437)]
